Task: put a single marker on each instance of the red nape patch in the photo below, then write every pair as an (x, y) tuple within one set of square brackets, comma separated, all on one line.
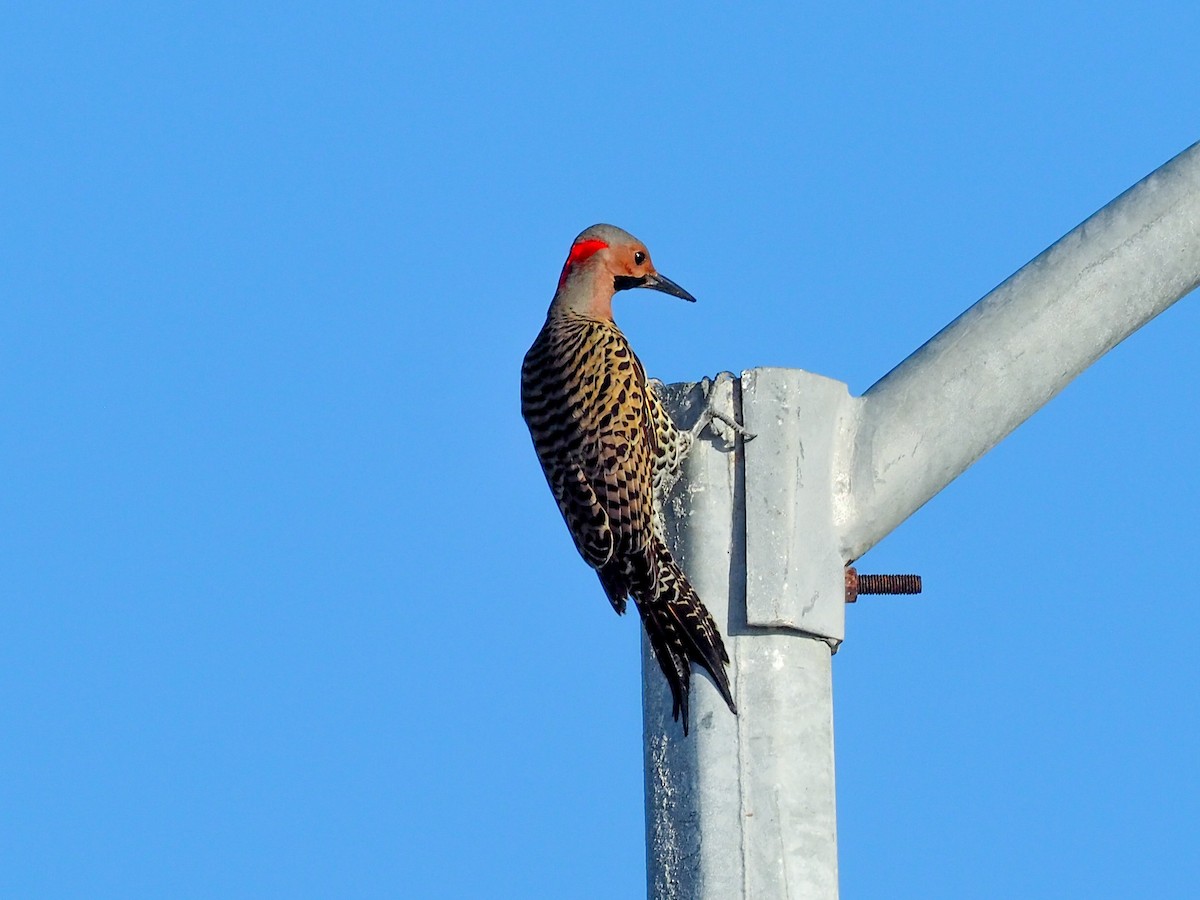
[(580, 251)]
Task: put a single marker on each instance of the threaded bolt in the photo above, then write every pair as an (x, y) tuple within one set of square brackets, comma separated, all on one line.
[(879, 584), (889, 584)]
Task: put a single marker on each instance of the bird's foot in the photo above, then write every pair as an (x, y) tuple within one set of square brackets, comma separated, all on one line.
[(711, 415)]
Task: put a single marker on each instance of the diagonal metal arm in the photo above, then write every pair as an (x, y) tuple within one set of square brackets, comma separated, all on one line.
[(985, 373)]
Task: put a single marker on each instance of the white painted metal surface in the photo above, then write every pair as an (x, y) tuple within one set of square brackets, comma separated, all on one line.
[(744, 807)]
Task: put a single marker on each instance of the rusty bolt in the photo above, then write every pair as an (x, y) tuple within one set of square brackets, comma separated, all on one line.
[(879, 584)]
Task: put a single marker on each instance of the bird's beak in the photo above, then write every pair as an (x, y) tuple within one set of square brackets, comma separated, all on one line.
[(666, 285)]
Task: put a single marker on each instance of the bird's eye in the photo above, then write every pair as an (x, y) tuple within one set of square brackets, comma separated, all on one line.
[(638, 258)]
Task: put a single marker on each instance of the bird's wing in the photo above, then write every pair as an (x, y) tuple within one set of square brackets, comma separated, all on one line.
[(595, 443), (623, 447), (586, 517)]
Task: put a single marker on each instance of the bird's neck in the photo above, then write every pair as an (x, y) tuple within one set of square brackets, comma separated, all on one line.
[(591, 297)]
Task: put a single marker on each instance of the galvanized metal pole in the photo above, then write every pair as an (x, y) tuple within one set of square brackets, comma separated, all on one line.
[(744, 807), (998, 363)]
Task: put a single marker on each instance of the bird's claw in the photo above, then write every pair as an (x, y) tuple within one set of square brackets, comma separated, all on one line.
[(711, 415), (735, 426)]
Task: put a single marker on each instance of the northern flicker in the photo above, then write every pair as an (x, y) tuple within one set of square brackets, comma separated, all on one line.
[(610, 449)]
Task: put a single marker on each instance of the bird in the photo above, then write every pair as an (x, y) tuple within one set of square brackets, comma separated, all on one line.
[(610, 450)]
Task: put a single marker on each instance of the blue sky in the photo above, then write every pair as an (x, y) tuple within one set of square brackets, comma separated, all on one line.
[(288, 610)]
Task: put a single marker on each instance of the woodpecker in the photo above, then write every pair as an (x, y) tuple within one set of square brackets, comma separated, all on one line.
[(610, 450)]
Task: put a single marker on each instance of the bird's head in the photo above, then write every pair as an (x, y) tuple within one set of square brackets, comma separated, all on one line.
[(603, 260)]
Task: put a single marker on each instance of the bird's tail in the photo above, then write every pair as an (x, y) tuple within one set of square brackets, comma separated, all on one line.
[(682, 632)]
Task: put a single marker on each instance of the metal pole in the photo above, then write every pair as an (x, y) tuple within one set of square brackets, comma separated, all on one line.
[(744, 807), (998, 363)]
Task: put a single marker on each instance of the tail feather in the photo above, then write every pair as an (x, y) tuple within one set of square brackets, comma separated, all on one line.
[(616, 586), (668, 650), (682, 631)]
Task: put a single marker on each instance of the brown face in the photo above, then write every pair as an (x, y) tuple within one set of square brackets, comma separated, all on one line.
[(630, 260), (632, 268)]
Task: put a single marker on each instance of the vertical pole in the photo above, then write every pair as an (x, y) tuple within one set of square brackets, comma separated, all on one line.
[(745, 806)]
